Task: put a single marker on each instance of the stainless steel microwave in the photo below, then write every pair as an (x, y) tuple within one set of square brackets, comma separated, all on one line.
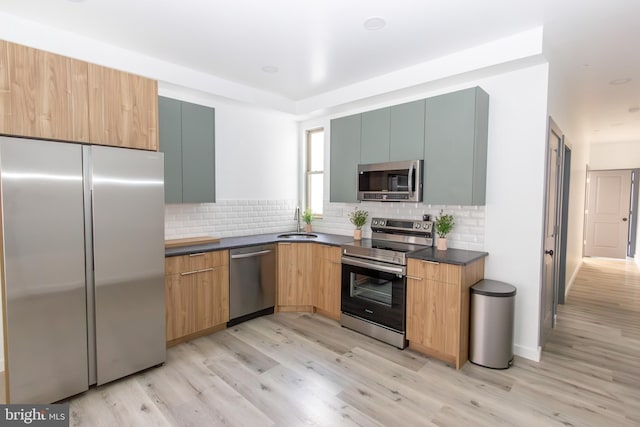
[(391, 181)]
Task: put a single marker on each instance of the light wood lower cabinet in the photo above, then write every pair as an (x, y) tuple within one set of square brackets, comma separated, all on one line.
[(197, 294), (438, 308), (294, 270), (327, 270)]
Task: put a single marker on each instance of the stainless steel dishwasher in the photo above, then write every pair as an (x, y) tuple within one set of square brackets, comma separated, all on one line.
[(252, 282)]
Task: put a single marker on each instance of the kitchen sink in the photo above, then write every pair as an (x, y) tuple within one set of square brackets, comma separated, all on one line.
[(297, 236)]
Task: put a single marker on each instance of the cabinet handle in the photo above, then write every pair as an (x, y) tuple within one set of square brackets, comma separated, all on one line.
[(186, 273), (413, 277), (430, 262), (197, 254), (197, 271), (283, 243)]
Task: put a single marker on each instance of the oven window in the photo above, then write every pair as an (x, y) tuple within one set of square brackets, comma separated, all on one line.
[(371, 288)]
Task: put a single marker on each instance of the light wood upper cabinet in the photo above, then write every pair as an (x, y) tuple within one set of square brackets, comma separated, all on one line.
[(438, 308), (42, 95), (5, 89), (294, 275), (123, 109), (197, 293), (49, 96), (327, 270)]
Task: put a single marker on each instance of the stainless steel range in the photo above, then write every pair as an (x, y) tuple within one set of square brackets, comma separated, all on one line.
[(374, 278)]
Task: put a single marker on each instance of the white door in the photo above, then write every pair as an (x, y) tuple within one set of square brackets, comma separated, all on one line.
[(607, 216), (550, 275)]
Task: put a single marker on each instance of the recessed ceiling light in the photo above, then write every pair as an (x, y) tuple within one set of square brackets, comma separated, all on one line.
[(615, 125), (77, 1), (596, 130), (270, 69), (374, 23), (620, 81), (634, 109)]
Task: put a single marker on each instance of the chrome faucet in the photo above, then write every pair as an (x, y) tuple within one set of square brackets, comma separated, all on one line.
[(296, 217)]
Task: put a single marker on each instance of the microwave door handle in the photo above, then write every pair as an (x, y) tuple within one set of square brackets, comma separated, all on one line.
[(410, 178)]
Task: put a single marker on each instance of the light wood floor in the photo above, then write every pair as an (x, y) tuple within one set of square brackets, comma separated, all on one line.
[(299, 369)]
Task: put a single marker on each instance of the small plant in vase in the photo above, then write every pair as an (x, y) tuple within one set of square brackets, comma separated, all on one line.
[(359, 219), (443, 226), (307, 217)]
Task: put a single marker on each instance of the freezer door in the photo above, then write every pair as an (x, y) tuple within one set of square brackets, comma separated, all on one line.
[(128, 241), (43, 242)]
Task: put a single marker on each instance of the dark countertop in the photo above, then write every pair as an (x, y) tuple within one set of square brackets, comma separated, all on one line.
[(450, 256), (258, 239)]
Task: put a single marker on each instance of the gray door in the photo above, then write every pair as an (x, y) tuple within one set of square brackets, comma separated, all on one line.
[(128, 239), (42, 215), (550, 244)]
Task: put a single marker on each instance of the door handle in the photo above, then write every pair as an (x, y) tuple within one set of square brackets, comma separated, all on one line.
[(549, 252), (624, 219)]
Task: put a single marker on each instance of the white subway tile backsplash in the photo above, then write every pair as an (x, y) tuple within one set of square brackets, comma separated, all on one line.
[(231, 218), (468, 232)]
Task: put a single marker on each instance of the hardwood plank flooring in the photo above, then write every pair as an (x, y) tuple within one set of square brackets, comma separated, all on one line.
[(294, 369)]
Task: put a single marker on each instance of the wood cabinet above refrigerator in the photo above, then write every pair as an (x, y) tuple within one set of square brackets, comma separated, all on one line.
[(49, 96)]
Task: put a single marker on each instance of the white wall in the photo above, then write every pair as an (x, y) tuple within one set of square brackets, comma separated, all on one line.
[(615, 155), (257, 171), (256, 149), (512, 223), (565, 109)]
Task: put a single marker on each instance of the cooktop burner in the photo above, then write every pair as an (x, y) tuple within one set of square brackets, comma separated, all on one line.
[(392, 240)]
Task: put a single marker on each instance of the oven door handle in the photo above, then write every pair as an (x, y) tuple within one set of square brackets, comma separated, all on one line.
[(373, 265)]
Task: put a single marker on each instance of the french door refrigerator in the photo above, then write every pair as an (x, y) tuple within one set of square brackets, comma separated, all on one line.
[(83, 265)]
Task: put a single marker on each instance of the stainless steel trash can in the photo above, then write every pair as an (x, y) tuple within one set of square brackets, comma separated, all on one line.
[(491, 329)]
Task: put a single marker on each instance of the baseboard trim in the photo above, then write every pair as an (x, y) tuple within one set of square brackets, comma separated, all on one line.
[(572, 279), (528, 352)]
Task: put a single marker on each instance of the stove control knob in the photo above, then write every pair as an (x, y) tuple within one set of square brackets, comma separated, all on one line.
[(417, 225), (382, 223), (375, 222)]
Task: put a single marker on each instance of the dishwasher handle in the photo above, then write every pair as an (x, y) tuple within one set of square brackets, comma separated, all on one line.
[(251, 254)]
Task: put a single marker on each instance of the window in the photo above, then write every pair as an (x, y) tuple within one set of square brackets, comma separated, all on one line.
[(315, 171)]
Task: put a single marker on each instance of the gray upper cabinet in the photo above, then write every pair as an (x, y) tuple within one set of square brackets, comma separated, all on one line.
[(374, 139), (198, 155), (393, 133), (406, 132), (170, 133), (455, 149), (187, 139), (345, 156)]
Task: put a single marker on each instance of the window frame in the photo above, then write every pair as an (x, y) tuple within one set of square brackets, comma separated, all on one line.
[(309, 173)]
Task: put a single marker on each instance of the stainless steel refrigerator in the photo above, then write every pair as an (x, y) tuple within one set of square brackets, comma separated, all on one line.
[(83, 256)]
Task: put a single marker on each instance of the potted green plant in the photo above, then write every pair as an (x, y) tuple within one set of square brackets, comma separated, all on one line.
[(307, 217), (443, 226), (359, 219)]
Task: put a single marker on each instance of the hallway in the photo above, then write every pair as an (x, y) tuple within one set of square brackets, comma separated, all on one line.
[(597, 338)]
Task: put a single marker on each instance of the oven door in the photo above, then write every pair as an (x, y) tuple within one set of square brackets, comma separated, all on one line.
[(374, 291)]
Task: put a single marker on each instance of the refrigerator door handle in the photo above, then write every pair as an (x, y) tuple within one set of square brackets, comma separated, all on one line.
[(89, 262)]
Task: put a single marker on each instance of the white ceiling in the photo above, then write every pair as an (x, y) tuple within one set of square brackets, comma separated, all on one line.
[(321, 45)]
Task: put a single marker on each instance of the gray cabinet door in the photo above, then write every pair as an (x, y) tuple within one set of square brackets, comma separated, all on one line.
[(187, 139), (345, 156), (198, 154), (170, 136), (406, 131), (455, 148), (374, 139)]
